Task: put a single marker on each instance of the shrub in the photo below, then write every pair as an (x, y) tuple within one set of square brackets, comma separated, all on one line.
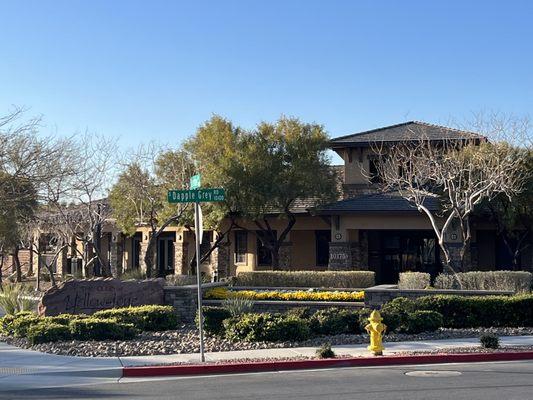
[(21, 324), (180, 280), (64, 319), (213, 319), (516, 281), (238, 305), (266, 327), (301, 312), (325, 351), (135, 273), (489, 341), (396, 312), (423, 321), (414, 280), (101, 329), (333, 279), (7, 321), (333, 321), (143, 318), (14, 298), (44, 332), (301, 295)]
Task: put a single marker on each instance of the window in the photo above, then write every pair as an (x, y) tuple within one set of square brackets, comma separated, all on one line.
[(264, 256), (373, 171), (241, 246)]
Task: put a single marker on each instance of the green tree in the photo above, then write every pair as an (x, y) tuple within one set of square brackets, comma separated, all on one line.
[(18, 202), (139, 197), (513, 216), (265, 171)]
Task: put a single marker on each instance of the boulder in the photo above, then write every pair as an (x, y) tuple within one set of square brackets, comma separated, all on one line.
[(86, 296)]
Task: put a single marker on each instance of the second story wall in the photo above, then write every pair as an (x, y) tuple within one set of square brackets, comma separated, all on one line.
[(356, 165)]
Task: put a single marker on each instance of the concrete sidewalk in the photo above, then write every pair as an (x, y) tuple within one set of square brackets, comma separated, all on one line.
[(20, 368), (356, 350)]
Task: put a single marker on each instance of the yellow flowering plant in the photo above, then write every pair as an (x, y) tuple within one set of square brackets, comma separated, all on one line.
[(222, 293)]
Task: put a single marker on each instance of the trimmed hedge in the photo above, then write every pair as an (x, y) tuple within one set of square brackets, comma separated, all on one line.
[(266, 327), (101, 329), (213, 319), (464, 312), (515, 281), (143, 318), (330, 279), (414, 280), (44, 332)]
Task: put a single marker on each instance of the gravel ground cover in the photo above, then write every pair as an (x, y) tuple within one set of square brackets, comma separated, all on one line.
[(185, 340)]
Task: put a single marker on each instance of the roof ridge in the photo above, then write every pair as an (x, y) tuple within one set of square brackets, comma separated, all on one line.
[(446, 127), (420, 124), (374, 130)]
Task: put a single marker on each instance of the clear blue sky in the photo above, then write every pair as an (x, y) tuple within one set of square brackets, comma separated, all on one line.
[(146, 70)]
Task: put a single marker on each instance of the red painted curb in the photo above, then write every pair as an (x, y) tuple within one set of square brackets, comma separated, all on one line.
[(264, 366)]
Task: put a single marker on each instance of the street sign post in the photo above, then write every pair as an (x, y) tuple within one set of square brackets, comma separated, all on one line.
[(196, 195)]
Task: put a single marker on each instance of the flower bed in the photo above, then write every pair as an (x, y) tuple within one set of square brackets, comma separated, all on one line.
[(299, 295)]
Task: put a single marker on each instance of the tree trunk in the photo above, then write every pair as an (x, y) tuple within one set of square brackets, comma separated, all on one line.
[(30, 267), (16, 262), (149, 257), (275, 258), (1, 267)]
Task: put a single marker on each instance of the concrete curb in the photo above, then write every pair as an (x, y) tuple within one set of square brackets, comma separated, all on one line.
[(269, 366)]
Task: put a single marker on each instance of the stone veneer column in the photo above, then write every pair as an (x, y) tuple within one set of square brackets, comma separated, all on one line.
[(115, 256), (285, 256), (142, 253), (340, 256), (181, 266), (61, 263), (223, 260)]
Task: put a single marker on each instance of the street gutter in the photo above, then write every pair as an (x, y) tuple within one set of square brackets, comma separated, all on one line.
[(270, 366)]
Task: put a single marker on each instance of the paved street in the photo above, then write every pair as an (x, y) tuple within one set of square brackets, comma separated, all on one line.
[(509, 381)]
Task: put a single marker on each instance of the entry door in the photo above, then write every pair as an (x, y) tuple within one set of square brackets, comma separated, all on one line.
[(165, 256)]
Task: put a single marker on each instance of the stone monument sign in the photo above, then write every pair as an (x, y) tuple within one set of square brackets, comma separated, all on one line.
[(86, 296)]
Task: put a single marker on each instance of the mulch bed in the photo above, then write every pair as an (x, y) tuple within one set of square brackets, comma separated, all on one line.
[(185, 341)]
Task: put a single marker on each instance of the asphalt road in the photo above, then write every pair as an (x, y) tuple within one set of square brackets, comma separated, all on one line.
[(508, 381)]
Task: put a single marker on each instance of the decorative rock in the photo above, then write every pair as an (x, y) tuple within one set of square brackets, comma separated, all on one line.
[(87, 296)]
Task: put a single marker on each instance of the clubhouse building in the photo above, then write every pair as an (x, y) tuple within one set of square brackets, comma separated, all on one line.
[(366, 229)]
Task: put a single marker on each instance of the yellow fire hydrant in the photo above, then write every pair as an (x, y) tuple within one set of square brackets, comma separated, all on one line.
[(376, 329)]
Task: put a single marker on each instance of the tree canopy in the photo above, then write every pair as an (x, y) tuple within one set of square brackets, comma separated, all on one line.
[(265, 170)]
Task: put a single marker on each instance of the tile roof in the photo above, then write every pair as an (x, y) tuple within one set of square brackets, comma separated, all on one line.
[(377, 202), (410, 130)]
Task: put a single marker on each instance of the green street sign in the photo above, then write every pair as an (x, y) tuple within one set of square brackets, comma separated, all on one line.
[(194, 182), (196, 195)]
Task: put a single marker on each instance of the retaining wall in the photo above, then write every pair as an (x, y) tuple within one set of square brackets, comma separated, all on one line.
[(280, 306), (184, 299)]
